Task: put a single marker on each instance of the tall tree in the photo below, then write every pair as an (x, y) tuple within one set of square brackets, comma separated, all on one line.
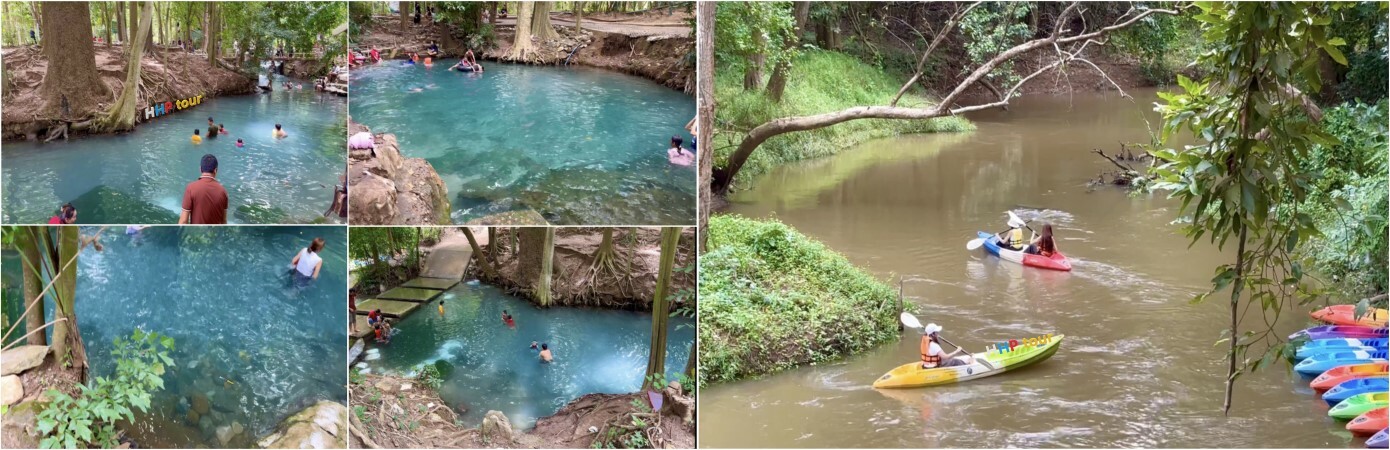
[(121, 115), (777, 84), (106, 21), (71, 86), (479, 255), (661, 313), (213, 32), (521, 45), (704, 121), (535, 261), (405, 16), (578, 16), (492, 19), (27, 242), (35, 12), (67, 339), (132, 20), (540, 21), (120, 22)]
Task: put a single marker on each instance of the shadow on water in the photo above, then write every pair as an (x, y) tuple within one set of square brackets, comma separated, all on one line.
[(138, 177), (578, 145), (1138, 368), (252, 345), (596, 351)]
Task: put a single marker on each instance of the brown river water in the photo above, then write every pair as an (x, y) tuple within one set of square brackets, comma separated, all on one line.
[(1138, 367)]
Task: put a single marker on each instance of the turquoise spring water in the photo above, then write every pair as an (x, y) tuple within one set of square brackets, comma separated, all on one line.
[(578, 145), (224, 295), (139, 177), (596, 351)]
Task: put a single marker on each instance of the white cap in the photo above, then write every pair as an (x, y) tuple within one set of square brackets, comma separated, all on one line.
[(931, 328)]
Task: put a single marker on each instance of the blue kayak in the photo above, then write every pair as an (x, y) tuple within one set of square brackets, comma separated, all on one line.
[(1379, 440), (1351, 388), (1306, 352), (1320, 362)]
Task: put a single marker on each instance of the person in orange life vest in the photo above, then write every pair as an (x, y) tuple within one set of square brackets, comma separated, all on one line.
[(932, 354), (1043, 244)]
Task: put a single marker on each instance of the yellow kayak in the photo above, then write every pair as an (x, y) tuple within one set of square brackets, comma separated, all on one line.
[(912, 375)]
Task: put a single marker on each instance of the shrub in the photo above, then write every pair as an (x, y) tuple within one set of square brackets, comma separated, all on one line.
[(90, 419)]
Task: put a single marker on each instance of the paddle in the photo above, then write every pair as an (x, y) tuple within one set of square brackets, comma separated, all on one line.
[(910, 321), (1014, 222)]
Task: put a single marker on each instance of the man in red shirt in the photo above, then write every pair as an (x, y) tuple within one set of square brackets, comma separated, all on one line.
[(205, 200)]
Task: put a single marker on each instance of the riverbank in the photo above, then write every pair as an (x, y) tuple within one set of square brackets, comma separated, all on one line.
[(396, 412), (774, 299), (656, 51), (167, 75), (390, 189), (626, 279)]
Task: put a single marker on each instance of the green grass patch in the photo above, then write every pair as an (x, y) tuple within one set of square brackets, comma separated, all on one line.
[(772, 298), (820, 82)]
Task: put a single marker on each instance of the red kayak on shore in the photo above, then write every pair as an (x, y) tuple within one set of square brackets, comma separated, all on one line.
[(1346, 315)]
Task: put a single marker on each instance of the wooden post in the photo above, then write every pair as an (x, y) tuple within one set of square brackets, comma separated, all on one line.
[(900, 303)]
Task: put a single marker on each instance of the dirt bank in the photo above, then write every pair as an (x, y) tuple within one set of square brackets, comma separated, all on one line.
[(394, 412), (660, 51), (166, 74), (627, 282)]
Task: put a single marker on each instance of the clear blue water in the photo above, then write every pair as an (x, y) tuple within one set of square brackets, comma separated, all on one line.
[(139, 177), (596, 351), (224, 295), (578, 145)]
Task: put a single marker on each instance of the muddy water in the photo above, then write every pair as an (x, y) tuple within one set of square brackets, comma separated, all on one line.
[(1138, 367)]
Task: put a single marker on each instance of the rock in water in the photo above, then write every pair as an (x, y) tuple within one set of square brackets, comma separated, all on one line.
[(193, 418), (496, 428), (323, 425), (200, 403), (11, 390), (22, 358)]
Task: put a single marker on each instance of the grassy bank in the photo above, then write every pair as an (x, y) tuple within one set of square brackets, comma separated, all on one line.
[(820, 82), (772, 299)]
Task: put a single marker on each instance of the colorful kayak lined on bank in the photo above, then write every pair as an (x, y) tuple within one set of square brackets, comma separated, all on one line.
[(912, 375), (1359, 404), (1057, 261), (1370, 422), (1342, 331), (1346, 315), (1379, 440), (1321, 362), (1351, 388), (1336, 375), (1307, 351)]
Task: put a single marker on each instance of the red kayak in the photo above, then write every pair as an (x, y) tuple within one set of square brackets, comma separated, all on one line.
[(1057, 261), (1337, 375), (1368, 423), (1346, 315)]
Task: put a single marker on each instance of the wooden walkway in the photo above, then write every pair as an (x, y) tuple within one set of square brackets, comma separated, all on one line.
[(444, 269)]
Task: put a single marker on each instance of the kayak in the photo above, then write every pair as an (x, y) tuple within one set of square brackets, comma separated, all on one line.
[(1369, 423), (1379, 440), (1351, 388), (1342, 331), (1305, 353), (1346, 315), (1337, 375), (1359, 404), (1319, 363), (1345, 343), (912, 375), (1057, 261)]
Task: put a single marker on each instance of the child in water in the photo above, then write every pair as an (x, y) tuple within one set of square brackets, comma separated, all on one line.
[(196, 138), (240, 144), (279, 132), (507, 319), (441, 308), (222, 129), (677, 155)]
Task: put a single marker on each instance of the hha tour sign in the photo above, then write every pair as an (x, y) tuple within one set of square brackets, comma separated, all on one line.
[(160, 109)]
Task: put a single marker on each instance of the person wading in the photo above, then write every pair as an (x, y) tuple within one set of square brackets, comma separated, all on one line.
[(205, 200)]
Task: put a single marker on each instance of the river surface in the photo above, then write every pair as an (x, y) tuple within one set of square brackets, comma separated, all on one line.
[(255, 344), (139, 177), (595, 350), (578, 145), (1138, 367)]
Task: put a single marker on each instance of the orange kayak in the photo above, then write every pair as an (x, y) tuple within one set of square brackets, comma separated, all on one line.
[(1339, 374), (1369, 423), (1346, 315)]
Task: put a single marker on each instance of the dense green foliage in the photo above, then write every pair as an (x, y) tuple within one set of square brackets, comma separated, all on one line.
[(820, 82), (750, 29), (989, 30), (391, 254), (772, 299), (1162, 44), (1363, 26), (90, 418), (298, 26)]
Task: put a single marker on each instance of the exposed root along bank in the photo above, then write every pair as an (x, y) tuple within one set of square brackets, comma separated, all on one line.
[(588, 273), (166, 75), (395, 412)]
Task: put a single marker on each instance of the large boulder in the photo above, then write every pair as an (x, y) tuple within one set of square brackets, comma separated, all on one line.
[(323, 425), (200, 403), (496, 429), (423, 198), (373, 200), (19, 426), (390, 189), (11, 390), (22, 358)]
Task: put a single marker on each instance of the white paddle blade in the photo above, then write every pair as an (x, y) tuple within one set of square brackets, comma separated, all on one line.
[(909, 320), (1016, 222), (975, 244)]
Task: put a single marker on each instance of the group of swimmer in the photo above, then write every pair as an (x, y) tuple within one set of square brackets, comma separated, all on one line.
[(468, 63), (217, 129), (382, 329)]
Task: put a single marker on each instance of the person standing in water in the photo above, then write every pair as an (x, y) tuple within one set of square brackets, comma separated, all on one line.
[(545, 355), (441, 307), (196, 138), (677, 155), (205, 200), (307, 263), (279, 132)]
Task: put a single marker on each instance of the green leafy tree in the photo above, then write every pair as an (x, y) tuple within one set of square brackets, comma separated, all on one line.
[(753, 36)]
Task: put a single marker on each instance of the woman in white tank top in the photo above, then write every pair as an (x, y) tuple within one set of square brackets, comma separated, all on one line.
[(308, 262)]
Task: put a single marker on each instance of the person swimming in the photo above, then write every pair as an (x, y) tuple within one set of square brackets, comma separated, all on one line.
[(279, 132), (678, 155), (222, 129), (545, 355), (196, 138), (507, 319), (441, 308), (240, 144)]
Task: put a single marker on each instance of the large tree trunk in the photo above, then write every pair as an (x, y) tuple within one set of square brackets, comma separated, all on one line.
[(120, 22), (213, 41), (521, 46), (71, 87), (67, 340), (405, 16), (492, 245), (578, 16), (661, 314), (479, 255), (132, 20), (32, 260), (704, 46), (492, 19), (535, 261), (121, 116), (540, 21), (778, 83), (753, 75)]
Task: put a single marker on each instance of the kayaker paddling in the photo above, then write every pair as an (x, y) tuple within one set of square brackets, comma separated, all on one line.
[(932, 354)]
